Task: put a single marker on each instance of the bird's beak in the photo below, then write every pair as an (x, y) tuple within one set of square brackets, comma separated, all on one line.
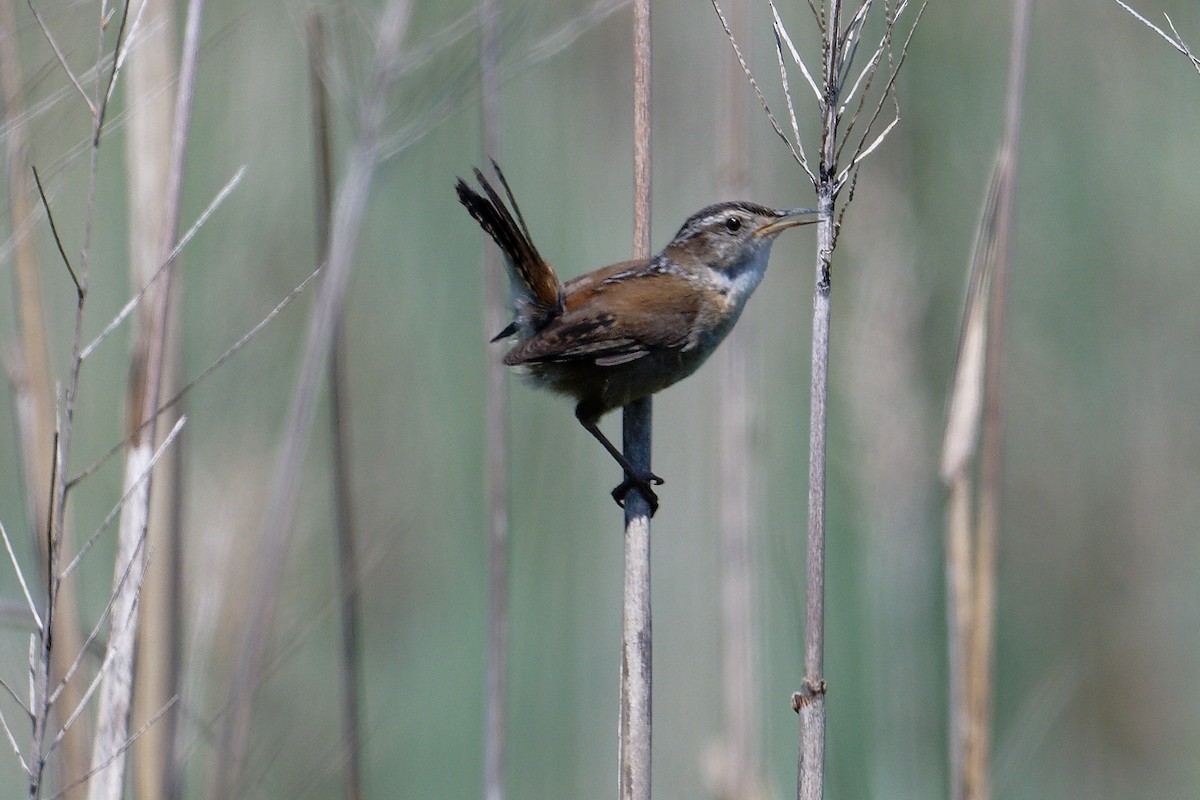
[(788, 218)]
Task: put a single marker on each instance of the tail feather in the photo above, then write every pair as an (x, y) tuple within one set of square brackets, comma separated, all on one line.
[(538, 290)]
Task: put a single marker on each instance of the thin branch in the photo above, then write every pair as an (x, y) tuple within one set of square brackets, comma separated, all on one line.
[(116, 509), (12, 741), (12, 557), (120, 582), (887, 91), (787, 91), (210, 369), (16, 698), (757, 91), (102, 110), (133, 302), (62, 60), (781, 31), (54, 230), (1175, 41), (120, 751)]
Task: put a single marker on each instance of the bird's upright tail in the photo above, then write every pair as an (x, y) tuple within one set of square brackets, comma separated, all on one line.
[(537, 292)]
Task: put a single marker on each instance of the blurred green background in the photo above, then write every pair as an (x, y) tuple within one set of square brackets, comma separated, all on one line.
[(1098, 648)]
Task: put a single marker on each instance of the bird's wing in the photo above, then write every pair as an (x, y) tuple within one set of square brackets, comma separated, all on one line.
[(612, 318)]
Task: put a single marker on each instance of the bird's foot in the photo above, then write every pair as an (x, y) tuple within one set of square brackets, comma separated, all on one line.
[(643, 484)]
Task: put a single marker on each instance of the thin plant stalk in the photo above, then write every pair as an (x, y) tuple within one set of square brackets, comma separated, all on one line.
[(810, 700), (344, 530), (634, 726), (347, 217), (974, 430), (150, 359), (28, 366), (738, 769), (151, 65), (836, 130), (496, 422), (48, 650)]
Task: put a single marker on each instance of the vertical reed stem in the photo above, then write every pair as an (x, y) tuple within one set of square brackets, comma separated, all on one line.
[(635, 712)]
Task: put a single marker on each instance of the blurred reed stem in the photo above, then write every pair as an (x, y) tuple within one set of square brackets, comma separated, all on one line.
[(149, 67), (349, 663), (496, 422), (974, 434), (151, 362), (348, 211), (739, 765)]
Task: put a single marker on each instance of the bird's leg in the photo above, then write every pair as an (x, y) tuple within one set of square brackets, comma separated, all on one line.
[(633, 479)]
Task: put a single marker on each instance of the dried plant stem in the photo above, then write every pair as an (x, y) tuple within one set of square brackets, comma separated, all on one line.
[(809, 702), (348, 211), (55, 645), (151, 65), (28, 365), (150, 365), (738, 770), (347, 573), (634, 728), (976, 415), (496, 468)]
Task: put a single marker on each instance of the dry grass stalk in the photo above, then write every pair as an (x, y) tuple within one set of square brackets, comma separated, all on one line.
[(347, 574), (634, 726), (974, 430), (1173, 38), (151, 65), (51, 690), (850, 104), (738, 768), (28, 366), (146, 384)]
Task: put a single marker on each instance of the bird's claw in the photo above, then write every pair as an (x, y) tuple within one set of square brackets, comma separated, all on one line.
[(643, 484)]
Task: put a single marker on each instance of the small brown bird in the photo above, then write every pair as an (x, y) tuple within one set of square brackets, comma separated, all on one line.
[(626, 331)]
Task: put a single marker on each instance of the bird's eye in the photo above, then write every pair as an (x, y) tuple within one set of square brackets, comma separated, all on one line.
[(733, 224)]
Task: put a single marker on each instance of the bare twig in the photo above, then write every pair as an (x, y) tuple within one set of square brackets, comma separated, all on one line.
[(210, 369), (54, 231), (1173, 38), (37, 619), (125, 497), (62, 60), (138, 734), (758, 92), (137, 298), (634, 728)]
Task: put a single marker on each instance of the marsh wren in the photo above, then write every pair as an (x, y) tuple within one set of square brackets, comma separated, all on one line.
[(626, 331)]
